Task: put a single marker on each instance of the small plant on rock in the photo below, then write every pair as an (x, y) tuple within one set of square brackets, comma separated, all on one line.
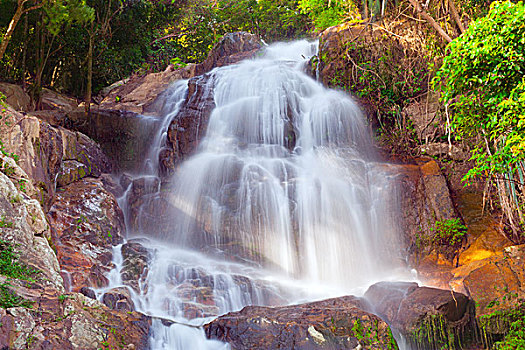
[(449, 232), (11, 267)]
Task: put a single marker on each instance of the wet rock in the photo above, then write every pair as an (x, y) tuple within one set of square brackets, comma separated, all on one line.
[(71, 171), (87, 223), (145, 205), (118, 299), (90, 293), (190, 124), (428, 317), (125, 180), (232, 48), (338, 323), (135, 265)]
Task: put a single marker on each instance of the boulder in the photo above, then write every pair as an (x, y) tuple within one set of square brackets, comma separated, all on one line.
[(496, 282), (135, 270), (52, 100), (232, 48), (16, 97), (87, 223), (72, 321), (118, 299), (338, 323), (429, 318)]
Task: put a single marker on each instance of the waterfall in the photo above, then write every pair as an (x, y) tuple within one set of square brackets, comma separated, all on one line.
[(283, 201)]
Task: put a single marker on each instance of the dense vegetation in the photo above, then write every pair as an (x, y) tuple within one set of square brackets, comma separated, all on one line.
[(81, 46), (482, 80)]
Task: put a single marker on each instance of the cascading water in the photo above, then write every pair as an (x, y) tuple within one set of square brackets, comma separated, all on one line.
[(282, 202)]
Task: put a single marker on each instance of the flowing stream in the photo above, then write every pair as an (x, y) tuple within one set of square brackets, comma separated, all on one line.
[(283, 202)]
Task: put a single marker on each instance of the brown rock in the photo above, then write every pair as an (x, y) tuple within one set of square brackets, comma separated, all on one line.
[(495, 283), (16, 97), (423, 314), (444, 149), (26, 229), (42, 149), (190, 124), (72, 321), (425, 119), (52, 100), (232, 48), (425, 199), (123, 136), (87, 223), (338, 323), (118, 299)]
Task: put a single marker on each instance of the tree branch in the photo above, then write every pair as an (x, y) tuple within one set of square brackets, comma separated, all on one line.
[(430, 20)]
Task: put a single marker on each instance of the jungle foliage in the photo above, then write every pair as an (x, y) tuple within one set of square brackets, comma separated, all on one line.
[(482, 81), (79, 46)]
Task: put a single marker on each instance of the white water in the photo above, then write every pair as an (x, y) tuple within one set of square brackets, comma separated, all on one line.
[(283, 201)]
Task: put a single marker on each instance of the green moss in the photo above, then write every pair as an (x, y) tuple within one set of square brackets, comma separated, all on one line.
[(434, 332), (504, 329)]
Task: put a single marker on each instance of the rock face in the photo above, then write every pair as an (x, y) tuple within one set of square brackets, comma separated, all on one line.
[(51, 318), (51, 155), (338, 323), (71, 321), (24, 226), (232, 48), (430, 318), (190, 124), (140, 94), (496, 283), (424, 199), (123, 136), (87, 222)]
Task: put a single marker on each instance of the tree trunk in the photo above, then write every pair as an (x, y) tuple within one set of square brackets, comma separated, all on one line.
[(37, 87), (11, 29), (24, 53), (430, 20), (455, 15), (89, 82)]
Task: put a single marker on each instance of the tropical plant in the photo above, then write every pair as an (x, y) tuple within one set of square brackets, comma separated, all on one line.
[(482, 81)]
